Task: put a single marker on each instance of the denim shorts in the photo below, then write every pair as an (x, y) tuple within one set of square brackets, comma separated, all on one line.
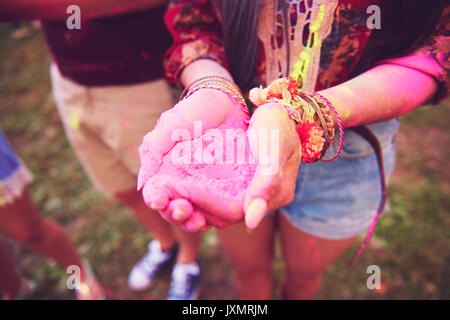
[(14, 176), (338, 199)]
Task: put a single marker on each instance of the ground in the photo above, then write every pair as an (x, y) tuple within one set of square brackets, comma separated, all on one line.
[(411, 244)]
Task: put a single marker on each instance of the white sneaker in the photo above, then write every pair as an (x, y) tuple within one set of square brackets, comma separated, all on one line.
[(185, 284), (145, 271)]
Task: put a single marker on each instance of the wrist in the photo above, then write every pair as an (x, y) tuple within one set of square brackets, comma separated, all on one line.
[(315, 117), (282, 113), (338, 100), (278, 114)]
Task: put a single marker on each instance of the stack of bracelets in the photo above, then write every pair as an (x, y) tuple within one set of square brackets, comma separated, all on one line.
[(312, 112), (218, 83)]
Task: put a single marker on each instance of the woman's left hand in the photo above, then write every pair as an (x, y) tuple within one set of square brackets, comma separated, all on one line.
[(275, 143)]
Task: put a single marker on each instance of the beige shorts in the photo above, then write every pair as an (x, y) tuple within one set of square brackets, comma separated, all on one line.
[(105, 126)]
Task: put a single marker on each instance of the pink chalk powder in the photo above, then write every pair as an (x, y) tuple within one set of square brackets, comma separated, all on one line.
[(217, 166)]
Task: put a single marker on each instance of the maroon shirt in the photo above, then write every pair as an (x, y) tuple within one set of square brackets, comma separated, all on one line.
[(118, 50)]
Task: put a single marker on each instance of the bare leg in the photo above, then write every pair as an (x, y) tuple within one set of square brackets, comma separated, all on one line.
[(189, 244), (10, 280), (306, 258), (22, 222), (160, 229), (167, 234), (251, 255)]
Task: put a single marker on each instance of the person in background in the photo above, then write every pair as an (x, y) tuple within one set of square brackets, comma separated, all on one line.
[(109, 87), (21, 221)]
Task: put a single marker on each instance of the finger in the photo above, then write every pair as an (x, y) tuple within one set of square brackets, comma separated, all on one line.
[(268, 192), (255, 212), (215, 220), (220, 206), (217, 204), (156, 196), (262, 186), (195, 223), (180, 209)]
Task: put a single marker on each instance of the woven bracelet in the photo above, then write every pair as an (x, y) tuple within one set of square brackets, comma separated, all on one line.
[(324, 101)]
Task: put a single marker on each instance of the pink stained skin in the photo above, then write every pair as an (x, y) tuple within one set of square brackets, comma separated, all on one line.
[(265, 191), (381, 93), (271, 187), (206, 188)]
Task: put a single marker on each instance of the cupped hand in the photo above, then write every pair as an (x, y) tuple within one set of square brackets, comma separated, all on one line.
[(234, 192), (275, 143), (211, 107), (194, 195)]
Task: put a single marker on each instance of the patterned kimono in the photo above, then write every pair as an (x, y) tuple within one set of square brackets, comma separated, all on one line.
[(326, 36)]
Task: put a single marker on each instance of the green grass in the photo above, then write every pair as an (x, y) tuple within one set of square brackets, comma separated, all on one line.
[(411, 244)]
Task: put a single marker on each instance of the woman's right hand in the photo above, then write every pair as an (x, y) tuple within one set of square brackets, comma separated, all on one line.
[(169, 196), (209, 106)]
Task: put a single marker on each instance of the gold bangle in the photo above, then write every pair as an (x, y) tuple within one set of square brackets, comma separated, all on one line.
[(221, 86), (200, 80)]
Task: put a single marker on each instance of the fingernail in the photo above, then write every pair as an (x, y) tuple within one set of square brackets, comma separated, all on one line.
[(200, 221), (140, 183), (178, 214), (255, 212)]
